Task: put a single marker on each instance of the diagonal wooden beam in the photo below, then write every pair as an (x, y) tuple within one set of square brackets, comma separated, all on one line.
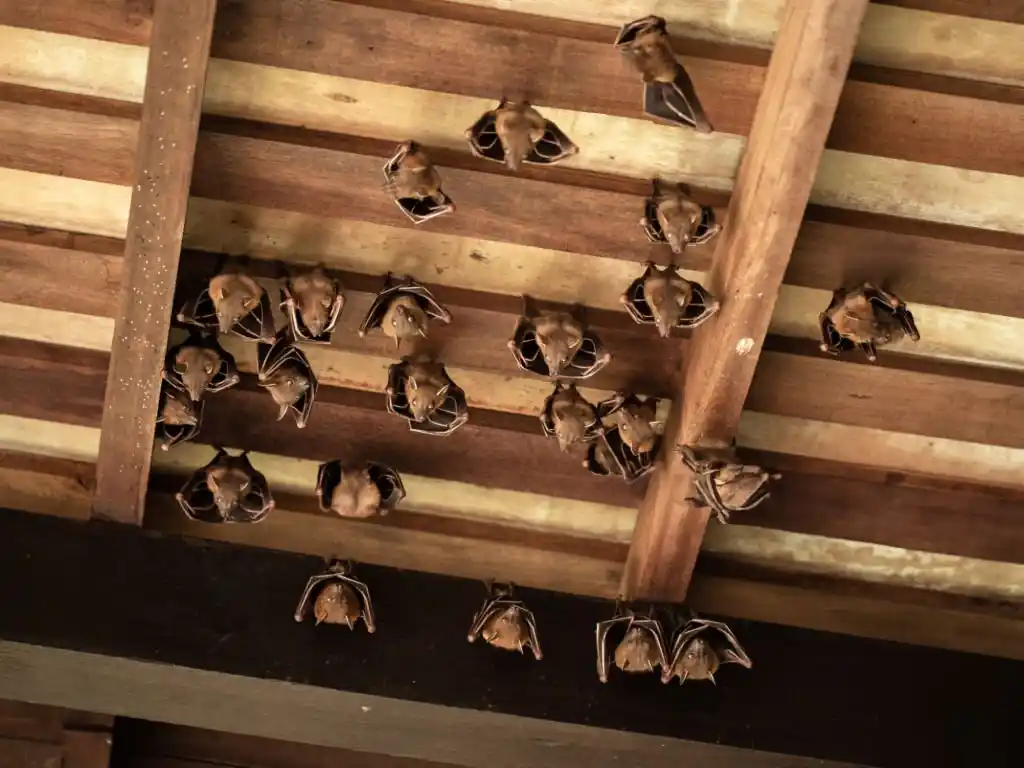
[(794, 114), (178, 56)]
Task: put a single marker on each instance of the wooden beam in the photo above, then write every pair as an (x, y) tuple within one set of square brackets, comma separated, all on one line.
[(176, 76), (794, 114), (241, 664)]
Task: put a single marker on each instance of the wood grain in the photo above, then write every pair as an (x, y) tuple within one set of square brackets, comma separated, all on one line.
[(794, 113), (176, 76)]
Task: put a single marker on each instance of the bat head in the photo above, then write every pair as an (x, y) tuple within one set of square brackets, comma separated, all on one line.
[(679, 217), (507, 629), (337, 603), (519, 127), (196, 366), (234, 296), (178, 411), (287, 384), (737, 484), (667, 295), (637, 651), (229, 485), (697, 660), (408, 321), (424, 396), (315, 293), (635, 427), (356, 495), (559, 338)]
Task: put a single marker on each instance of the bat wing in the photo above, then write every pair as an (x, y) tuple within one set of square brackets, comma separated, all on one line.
[(196, 499), (172, 434), (526, 350), (227, 375), (257, 503), (199, 312), (426, 300), (731, 652), (601, 632), (553, 146), (420, 209), (364, 597), (547, 422), (303, 408), (590, 358), (634, 465), (481, 617), (397, 403), (388, 482), (831, 340), (701, 307), (483, 138), (635, 303), (628, 32), (610, 405), (676, 102), (650, 222), (594, 466), (707, 228), (452, 414), (328, 475), (258, 325), (880, 303), (312, 587), (654, 627), (270, 357), (531, 627)]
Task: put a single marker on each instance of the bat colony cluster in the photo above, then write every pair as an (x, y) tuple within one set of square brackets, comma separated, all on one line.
[(699, 646)]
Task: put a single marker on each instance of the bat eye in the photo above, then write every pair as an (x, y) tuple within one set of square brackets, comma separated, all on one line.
[(209, 368), (327, 301)]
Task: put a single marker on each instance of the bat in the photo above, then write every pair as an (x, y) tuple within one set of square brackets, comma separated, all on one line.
[(516, 133), (336, 597), (179, 417), (358, 490), (227, 490), (199, 365), (231, 302), (312, 301), (634, 419), (422, 392), (865, 317), (668, 300), (722, 483), (670, 216), (415, 185), (505, 622), (669, 94), (569, 418), (601, 460), (403, 310), (641, 647), (285, 372), (556, 344), (699, 648)]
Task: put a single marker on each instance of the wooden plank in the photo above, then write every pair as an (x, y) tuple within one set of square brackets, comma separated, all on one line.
[(87, 749), (179, 52), (640, 148), (383, 681), (121, 21), (805, 76)]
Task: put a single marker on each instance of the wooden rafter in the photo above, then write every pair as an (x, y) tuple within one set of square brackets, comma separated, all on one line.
[(794, 114), (178, 57)]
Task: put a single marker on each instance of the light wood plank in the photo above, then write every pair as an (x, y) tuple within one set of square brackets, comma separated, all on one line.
[(805, 77), (178, 56)]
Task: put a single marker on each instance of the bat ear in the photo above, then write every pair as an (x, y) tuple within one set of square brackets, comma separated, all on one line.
[(443, 391), (216, 287), (412, 383)]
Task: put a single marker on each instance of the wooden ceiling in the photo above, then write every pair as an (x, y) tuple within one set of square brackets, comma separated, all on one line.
[(900, 513)]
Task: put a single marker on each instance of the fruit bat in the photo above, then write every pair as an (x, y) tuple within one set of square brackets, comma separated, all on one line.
[(312, 301), (865, 317), (335, 597), (629, 440), (414, 183), (699, 648), (668, 91), (556, 344), (668, 300), (199, 365), (422, 392), (402, 311), (670, 216), (569, 418), (179, 417), (515, 133), (505, 622), (284, 371), (227, 490), (641, 647), (358, 490), (722, 483), (232, 302)]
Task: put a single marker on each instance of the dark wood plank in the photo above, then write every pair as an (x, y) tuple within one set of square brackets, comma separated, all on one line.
[(240, 664), (44, 381), (993, 10), (121, 21), (176, 77), (805, 77), (29, 754)]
